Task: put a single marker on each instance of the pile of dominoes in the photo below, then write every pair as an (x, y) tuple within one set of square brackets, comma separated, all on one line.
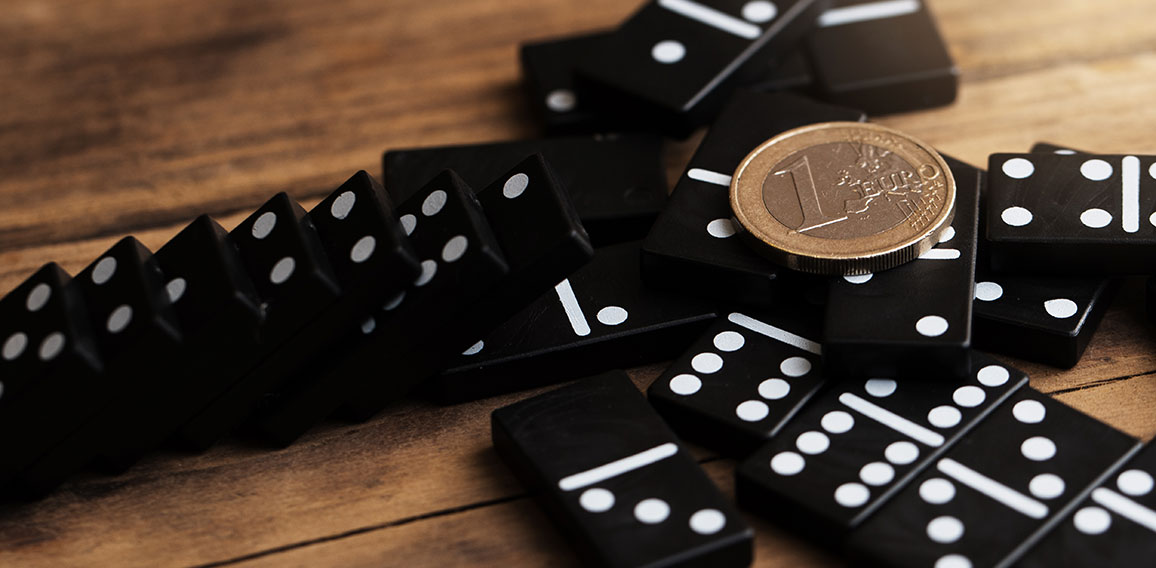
[(861, 414)]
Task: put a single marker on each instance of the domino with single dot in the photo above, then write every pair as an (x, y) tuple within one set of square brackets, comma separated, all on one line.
[(389, 343), (1072, 214), (998, 491), (615, 479), (1114, 525), (615, 181), (50, 371), (600, 317), (538, 232), (914, 318), (295, 281), (675, 62), (1044, 319), (743, 380), (860, 442), (557, 100), (691, 247), (882, 56), (138, 337)]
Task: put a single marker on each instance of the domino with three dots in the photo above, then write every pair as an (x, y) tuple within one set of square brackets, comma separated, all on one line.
[(616, 481)]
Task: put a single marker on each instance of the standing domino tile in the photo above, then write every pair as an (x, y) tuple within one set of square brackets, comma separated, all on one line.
[(882, 56), (993, 495), (860, 442), (739, 384), (1072, 213), (616, 182), (543, 241), (392, 347), (615, 479), (599, 317), (901, 322), (50, 372), (138, 338), (287, 264), (1115, 525), (674, 62), (691, 247), (373, 263), (1038, 318)]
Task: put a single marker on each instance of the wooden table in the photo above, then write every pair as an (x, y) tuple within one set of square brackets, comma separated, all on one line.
[(121, 117)]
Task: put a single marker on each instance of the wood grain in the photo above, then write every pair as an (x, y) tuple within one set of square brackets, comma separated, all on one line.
[(122, 117)]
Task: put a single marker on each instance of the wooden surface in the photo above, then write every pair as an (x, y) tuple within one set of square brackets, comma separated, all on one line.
[(121, 117)]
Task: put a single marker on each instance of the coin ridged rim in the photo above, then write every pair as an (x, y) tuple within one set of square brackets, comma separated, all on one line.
[(846, 257)]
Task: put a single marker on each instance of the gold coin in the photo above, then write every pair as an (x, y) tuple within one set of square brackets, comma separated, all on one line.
[(843, 198)]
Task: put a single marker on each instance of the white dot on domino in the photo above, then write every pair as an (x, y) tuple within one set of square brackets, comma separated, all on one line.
[(1029, 411), (51, 346), (1096, 218), (852, 495), (1135, 482), (515, 186), (561, 100), (759, 11), (455, 248), (282, 270), (363, 249), (706, 363), (774, 389), (707, 521), (1018, 168), (176, 289), (812, 443), (795, 366), (1061, 308), (993, 376), (596, 500), (988, 291), (969, 396), (368, 326), (612, 315), (729, 341), (947, 235), (343, 205), (685, 384), (937, 491), (945, 529), (104, 270), (264, 224), (434, 202), (1038, 448), (859, 278), (901, 453), (880, 388), (1096, 170), (14, 346), (393, 302), (428, 269), (38, 297), (931, 326), (787, 463), (953, 561), (119, 319), (721, 228), (651, 511), (945, 416), (1016, 216), (475, 348), (408, 223), (668, 51), (877, 474), (837, 422), (752, 410), (1046, 486), (1092, 520)]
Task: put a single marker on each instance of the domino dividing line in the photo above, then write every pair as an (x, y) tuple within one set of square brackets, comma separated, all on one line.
[(775, 333), (1130, 172), (712, 18), (617, 467), (573, 310), (1125, 507), (867, 12), (709, 177), (891, 420), (1006, 495), (940, 254)]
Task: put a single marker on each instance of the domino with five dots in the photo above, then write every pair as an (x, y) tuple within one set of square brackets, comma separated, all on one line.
[(615, 479), (674, 62), (692, 247), (740, 383)]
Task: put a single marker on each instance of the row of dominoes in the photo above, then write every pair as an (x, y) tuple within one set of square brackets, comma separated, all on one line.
[(672, 64), (272, 326)]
